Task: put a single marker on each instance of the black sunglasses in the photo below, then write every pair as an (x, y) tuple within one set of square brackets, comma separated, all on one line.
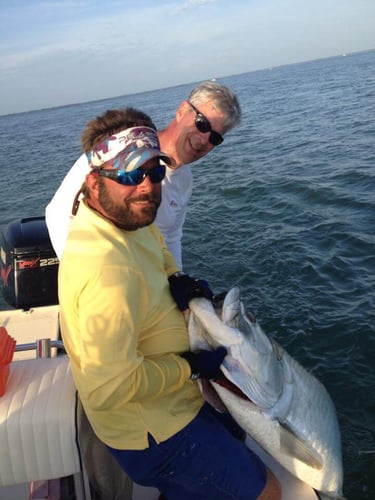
[(134, 177), (204, 126)]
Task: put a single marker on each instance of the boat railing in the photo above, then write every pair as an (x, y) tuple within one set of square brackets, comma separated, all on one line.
[(42, 347)]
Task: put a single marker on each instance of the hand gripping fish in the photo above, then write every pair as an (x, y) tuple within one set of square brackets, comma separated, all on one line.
[(286, 409)]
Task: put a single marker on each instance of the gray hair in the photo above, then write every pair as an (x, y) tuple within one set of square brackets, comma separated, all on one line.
[(224, 99)]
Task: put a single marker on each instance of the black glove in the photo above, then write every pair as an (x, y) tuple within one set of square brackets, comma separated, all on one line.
[(205, 364), (183, 288)]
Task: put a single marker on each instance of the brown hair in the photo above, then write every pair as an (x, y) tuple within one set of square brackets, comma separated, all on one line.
[(111, 122)]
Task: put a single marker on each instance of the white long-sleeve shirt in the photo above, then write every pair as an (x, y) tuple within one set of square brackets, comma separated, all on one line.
[(177, 188)]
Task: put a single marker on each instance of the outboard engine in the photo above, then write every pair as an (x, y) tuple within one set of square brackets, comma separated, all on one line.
[(29, 264)]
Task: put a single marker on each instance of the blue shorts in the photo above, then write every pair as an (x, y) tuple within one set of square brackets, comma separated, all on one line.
[(204, 461)]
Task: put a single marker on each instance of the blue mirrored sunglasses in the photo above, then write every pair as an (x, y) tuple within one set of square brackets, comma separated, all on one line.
[(204, 126), (134, 177)]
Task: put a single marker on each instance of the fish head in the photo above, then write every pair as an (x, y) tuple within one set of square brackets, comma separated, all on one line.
[(235, 315), (251, 364)]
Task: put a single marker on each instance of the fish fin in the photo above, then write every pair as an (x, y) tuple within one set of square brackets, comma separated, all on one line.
[(292, 446)]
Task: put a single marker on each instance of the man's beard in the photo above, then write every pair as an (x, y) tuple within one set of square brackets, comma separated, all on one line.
[(124, 215)]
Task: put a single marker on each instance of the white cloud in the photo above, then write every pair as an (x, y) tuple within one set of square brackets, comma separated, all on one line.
[(92, 49)]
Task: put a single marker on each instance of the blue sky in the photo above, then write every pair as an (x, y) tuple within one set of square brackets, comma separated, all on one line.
[(56, 52)]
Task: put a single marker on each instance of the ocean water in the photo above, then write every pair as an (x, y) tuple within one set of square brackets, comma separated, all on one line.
[(284, 208)]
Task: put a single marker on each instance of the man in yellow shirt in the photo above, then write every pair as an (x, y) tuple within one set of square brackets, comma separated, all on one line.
[(119, 288)]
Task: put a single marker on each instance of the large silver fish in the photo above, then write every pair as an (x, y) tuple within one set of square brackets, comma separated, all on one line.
[(288, 411)]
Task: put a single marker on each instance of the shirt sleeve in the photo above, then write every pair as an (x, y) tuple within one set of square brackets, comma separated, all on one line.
[(176, 194), (59, 210), (116, 370), (175, 238)]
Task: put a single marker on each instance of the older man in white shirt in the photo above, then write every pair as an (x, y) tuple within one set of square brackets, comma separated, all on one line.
[(198, 126)]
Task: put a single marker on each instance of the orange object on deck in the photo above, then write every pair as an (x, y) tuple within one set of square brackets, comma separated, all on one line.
[(7, 347)]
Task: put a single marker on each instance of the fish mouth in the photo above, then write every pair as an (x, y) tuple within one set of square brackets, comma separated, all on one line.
[(227, 384), (218, 300)]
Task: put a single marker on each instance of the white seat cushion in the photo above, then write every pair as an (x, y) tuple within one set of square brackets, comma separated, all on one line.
[(37, 422)]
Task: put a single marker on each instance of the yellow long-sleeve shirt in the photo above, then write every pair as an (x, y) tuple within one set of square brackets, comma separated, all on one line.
[(122, 330)]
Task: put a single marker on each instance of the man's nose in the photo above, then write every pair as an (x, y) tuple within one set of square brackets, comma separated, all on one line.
[(146, 185), (203, 143)]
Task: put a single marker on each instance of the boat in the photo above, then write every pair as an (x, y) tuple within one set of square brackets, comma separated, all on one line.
[(42, 423)]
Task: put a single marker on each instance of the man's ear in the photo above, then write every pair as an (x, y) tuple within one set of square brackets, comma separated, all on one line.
[(93, 184), (181, 110)]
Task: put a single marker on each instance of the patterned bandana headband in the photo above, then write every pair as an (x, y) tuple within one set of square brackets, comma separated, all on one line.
[(128, 149)]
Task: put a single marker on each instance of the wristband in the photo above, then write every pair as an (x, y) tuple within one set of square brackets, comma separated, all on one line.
[(190, 358), (178, 274)]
